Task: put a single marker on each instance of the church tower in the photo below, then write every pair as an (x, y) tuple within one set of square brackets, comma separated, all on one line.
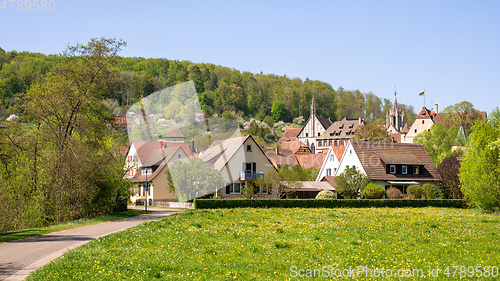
[(395, 118)]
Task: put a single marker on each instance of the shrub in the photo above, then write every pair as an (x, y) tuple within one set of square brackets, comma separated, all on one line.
[(415, 191), (430, 191), (373, 191), (326, 194), (325, 203), (394, 193)]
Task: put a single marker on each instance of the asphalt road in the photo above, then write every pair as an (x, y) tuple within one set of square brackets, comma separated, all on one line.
[(19, 258)]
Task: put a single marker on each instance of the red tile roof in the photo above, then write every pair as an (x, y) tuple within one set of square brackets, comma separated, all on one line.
[(174, 132), (290, 134), (339, 151), (284, 157), (295, 146), (311, 160)]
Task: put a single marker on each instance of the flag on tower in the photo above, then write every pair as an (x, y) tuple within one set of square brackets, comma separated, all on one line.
[(421, 94)]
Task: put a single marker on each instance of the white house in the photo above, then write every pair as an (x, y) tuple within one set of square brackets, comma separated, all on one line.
[(240, 161), (331, 162), (391, 164)]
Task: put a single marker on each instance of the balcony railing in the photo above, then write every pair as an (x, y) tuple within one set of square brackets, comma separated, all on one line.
[(250, 176)]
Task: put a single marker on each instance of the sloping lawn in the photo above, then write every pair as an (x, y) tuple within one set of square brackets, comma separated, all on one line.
[(279, 244)]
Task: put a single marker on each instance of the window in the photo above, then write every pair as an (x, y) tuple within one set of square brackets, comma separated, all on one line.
[(334, 170), (146, 171), (423, 122), (328, 172), (415, 131), (234, 188), (392, 169), (318, 134), (249, 148), (332, 158), (307, 134), (179, 155), (416, 170), (404, 169), (350, 151)]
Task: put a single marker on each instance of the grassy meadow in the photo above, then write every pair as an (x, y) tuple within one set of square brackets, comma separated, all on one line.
[(274, 244)]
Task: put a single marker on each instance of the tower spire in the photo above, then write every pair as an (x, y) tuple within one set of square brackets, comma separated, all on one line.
[(313, 107)]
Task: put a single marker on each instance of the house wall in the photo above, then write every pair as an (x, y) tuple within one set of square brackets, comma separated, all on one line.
[(420, 125), (350, 158), (313, 129), (161, 190), (328, 164), (132, 165), (232, 170)]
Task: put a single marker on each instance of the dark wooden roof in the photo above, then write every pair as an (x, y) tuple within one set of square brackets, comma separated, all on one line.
[(373, 156)]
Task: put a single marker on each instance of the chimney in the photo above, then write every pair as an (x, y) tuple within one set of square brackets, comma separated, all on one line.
[(277, 151), (191, 146), (436, 108)]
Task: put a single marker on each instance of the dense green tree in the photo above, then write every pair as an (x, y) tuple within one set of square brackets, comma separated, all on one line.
[(193, 179), (372, 132), (279, 111), (480, 170), (373, 191), (438, 142), (462, 114), (351, 182)]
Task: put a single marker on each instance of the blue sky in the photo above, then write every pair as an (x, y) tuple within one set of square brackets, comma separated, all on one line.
[(447, 48)]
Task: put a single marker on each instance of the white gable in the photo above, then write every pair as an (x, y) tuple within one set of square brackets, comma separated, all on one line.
[(331, 162), (350, 158)]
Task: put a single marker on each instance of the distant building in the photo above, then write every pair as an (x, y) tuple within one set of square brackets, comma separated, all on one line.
[(425, 120), (174, 135), (395, 118), (338, 134), (314, 127)]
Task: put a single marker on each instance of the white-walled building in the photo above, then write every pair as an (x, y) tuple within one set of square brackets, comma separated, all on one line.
[(331, 162), (390, 164)]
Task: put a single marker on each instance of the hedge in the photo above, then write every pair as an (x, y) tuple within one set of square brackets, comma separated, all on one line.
[(326, 203)]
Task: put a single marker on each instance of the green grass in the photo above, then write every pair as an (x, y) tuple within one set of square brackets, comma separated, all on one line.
[(264, 244), (16, 235)]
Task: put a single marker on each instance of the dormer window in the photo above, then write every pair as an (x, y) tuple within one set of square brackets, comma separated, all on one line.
[(404, 169), (392, 169), (146, 171), (416, 170)]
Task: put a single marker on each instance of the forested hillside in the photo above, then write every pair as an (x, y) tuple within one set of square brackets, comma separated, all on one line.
[(219, 88)]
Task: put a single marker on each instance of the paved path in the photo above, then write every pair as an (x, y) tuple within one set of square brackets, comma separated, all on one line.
[(19, 258)]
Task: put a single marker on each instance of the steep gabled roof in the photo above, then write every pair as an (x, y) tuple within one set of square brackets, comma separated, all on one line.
[(341, 129), (324, 122), (426, 114), (290, 134), (374, 158), (295, 146), (221, 151), (284, 157), (405, 130), (311, 160), (159, 159), (339, 151), (174, 132)]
